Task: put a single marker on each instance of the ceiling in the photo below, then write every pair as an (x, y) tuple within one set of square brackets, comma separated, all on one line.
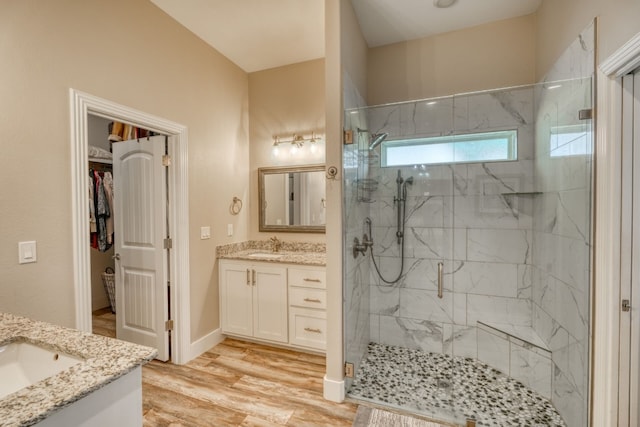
[(261, 34)]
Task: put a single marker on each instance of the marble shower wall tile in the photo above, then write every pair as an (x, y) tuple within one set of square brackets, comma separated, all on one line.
[(509, 311), (531, 368), (485, 278), (427, 118), (499, 245), (417, 334), (460, 340), (425, 305), (493, 350)]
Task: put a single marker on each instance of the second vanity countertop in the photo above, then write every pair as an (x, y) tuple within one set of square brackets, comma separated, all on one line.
[(105, 360), (290, 252)]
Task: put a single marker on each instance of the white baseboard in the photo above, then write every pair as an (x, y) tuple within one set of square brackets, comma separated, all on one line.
[(333, 390), (205, 343)]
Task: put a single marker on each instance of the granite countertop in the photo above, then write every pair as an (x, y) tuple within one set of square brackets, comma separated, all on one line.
[(290, 252), (106, 360)]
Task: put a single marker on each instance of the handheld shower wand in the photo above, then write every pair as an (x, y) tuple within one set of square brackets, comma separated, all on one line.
[(400, 202)]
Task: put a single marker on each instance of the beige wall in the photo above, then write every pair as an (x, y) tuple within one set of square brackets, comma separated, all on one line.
[(283, 101), (354, 52), (129, 52), (488, 56), (560, 22)]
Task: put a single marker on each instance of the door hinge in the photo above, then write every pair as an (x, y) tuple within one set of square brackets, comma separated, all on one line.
[(348, 370), (166, 160), (626, 306), (168, 243), (586, 114), (168, 325)]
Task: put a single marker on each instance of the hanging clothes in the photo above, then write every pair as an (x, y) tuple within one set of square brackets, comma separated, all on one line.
[(92, 208), (107, 182), (102, 213), (100, 210)]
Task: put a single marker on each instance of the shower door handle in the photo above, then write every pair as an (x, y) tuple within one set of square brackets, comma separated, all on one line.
[(440, 266)]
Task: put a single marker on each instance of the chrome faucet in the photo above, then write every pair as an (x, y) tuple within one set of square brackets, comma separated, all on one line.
[(275, 244)]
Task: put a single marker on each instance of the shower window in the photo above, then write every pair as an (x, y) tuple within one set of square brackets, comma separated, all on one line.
[(570, 140), (464, 148)]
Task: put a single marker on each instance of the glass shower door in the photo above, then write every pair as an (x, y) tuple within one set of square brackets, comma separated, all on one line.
[(398, 295)]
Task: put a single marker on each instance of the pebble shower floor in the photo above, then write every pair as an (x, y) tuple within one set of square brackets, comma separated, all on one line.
[(446, 387)]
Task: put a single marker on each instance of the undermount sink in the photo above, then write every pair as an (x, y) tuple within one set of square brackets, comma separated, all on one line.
[(23, 364), (265, 255)]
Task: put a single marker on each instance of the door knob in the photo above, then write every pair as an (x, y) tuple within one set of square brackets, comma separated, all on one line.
[(116, 257)]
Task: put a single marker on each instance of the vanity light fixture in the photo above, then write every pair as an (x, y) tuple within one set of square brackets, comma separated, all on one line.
[(296, 142)]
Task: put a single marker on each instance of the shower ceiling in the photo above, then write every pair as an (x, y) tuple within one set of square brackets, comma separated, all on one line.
[(262, 34)]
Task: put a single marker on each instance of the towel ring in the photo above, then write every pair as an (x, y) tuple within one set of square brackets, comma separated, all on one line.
[(236, 206)]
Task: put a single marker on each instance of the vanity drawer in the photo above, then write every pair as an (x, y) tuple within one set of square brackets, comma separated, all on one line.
[(308, 328), (308, 297), (309, 278)]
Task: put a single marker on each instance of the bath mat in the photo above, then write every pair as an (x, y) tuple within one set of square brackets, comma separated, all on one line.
[(373, 417)]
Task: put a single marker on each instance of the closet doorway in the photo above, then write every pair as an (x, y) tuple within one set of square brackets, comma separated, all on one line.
[(166, 263), (129, 240)]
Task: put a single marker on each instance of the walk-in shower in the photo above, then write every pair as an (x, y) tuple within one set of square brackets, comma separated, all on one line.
[(473, 298)]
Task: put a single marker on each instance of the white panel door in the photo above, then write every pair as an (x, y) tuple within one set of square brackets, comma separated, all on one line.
[(140, 223)]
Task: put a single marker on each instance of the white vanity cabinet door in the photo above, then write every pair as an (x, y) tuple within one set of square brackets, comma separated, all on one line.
[(253, 300), (236, 298), (270, 303)]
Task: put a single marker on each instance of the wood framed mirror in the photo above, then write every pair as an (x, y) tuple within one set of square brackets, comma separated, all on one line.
[(292, 199)]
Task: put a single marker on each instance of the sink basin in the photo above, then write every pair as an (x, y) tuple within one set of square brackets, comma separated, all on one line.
[(265, 255), (23, 364)]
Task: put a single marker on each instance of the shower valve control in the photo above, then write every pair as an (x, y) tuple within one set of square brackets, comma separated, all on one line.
[(359, 248)]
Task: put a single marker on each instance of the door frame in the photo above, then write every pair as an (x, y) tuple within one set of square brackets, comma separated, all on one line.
[(606, 295), (82, 104)]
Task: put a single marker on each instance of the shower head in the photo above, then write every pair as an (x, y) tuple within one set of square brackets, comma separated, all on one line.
[(376, 139), (409, 180)]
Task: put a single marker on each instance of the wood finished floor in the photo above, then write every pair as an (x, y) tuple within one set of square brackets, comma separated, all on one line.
[(236, 383)]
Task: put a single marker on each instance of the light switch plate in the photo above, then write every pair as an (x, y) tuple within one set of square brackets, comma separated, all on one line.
[(205, 233), (229, 230), (27, 252)]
